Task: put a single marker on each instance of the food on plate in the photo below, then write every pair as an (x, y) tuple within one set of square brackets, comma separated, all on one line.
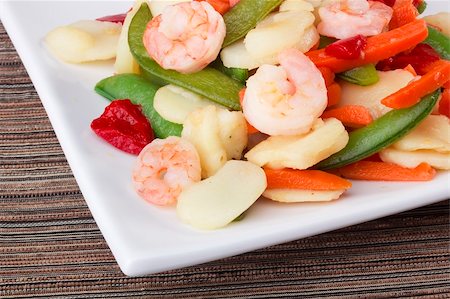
[(284, 100)]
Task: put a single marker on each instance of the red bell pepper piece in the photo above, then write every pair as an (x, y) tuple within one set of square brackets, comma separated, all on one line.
[(349, 48)]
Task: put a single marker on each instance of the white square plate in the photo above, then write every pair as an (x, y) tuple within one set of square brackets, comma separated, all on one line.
[(144, 238)]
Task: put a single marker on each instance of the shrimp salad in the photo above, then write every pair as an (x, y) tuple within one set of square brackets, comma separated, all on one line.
[(226, 102)]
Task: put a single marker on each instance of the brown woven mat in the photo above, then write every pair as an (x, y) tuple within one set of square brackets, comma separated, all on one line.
[(51, 246)]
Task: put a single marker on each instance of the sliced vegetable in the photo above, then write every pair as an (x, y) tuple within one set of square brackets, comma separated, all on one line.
[(379, 47), (363, 75), (244, 16), (240, 75), (296, 195), (439, 41), (421, 7), (221, 6), (411, 159), (327, 75), (382, 132), (140, 92), (382, 171), (404, 12), (287, 178), (409, 95), (349, 48), (208, 82), (119, 18), (334, 94), (353, 116), (444, 103), (440, 21)]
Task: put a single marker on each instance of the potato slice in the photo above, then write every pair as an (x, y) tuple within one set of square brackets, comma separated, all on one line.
[(233, 132), (236, 55), (295, 195), (84, 41), (296, 5), (174, 103), (371, 96), (157, 6), (440, 20), (300, 152), (218, 200), (412, 159)]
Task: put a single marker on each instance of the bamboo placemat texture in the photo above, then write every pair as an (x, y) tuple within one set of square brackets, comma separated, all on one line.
[(51, 247)]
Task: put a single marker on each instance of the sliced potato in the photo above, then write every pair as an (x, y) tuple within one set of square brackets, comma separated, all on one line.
[(233, 132), (296, 5), (237, 56), (371, 96), (431, 134), (295, 195), (300, 152), (440, 20), (174, 103), (218, 200), (412, 159), (84, 41)]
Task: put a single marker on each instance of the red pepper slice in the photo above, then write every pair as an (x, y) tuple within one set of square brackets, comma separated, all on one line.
[(123, 125), (349, 48), (387, 2), (420, 57), (119, 18)]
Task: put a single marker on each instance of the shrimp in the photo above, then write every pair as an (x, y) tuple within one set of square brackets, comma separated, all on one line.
[(164, 168), (186, 37), (285, 99), (347, 18)]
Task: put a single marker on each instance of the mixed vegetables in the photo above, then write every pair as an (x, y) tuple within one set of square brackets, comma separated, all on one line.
[(225, 101)]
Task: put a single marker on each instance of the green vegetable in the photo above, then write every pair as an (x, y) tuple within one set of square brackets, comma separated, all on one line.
[(244, 16), (422, 6), (140, 92), (325, 41), (153, 79), (363, 75), (208, 82), (381, 133), (439, 41), (240, 75)]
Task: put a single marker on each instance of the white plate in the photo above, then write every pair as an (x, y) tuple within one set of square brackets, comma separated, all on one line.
[(143, 238)]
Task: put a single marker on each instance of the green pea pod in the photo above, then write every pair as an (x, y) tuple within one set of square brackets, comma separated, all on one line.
[(240, 75), (208, 82), (244, 16), (422, 6), (363, 75), (140, 92), (325, 41), (381, 133), (439, 41)]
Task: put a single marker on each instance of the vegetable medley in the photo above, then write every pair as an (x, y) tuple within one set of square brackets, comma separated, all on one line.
[(227, 101)]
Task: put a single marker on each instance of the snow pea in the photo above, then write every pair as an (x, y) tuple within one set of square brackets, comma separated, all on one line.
[(364, 75), (381, 133), (439, 41), (208, 82), (140, 92), (244, 16), (240, 75), (422, 6)]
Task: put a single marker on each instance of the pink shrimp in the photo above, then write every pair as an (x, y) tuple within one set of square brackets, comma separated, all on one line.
[(164, 168), (347, 18), (285, 99), (186, 37)]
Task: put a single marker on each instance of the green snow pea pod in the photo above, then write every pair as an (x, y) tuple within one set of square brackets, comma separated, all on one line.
[(140, 92), (422, 6), (244, 16), (439, 41), (240, 75), (364, 75), (208, 82), (381, 133)]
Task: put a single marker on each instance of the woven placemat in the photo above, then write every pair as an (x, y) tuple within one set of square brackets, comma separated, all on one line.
[(51, 247)]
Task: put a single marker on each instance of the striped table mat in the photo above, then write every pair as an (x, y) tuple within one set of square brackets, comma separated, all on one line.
[(51, 247)]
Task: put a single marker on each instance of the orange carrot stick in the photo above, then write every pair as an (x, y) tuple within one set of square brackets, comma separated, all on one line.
[(221, 6), (411, 94), (353, 116), (404, 12), (334, 94), (287, 178), (378, 47), (382, 171), (444, 103), (327, 75)]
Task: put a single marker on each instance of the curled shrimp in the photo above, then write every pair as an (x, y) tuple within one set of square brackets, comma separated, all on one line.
[(186, 37), (164, 168), (347, 18), (285, 99)]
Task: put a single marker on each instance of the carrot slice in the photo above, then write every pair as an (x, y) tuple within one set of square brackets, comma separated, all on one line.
[(334, 94), (378, 47), (353, 116), (287, 178), (327, 75), (221, 6), (382, 171), (411, 94), (404, 12), (444, 103)]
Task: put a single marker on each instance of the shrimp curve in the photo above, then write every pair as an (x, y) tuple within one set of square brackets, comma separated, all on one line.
[(186, 37), (347, 18), (285, 99), (164, 168)]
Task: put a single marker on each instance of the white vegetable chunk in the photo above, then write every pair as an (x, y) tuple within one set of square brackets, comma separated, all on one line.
[(157, 6), (174, 103), (371, 96), (294, 195), (233, 132), (440, 20), (300, 152), (215, 202), (84, 41), (412, 159), (296, 5), (236, 55)]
